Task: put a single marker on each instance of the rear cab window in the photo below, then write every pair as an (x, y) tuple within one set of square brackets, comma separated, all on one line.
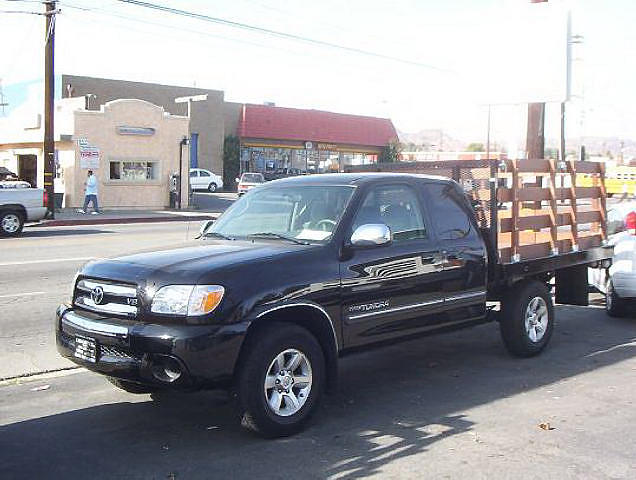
[(450, 213)]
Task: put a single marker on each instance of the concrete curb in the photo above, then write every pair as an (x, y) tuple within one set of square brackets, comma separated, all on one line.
[(124, 220)]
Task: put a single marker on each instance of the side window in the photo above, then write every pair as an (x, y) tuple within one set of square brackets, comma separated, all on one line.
[(203, 173), (397, 207), (449, 211), (193, 173)]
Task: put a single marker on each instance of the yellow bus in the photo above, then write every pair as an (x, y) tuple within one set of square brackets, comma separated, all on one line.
[(618, 181)]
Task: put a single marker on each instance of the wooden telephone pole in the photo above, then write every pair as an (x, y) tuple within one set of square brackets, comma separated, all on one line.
[(535, 136), (49, 93)]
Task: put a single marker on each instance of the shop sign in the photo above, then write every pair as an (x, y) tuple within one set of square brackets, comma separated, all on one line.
[(327, 146), (309, 146), (128, 130), (89, 154)]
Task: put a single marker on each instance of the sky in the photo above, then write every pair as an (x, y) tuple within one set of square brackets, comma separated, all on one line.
[(460, 55)]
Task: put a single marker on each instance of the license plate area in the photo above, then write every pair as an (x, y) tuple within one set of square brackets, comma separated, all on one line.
[(86, 348)]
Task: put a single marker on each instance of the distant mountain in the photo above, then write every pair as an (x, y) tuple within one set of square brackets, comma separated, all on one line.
[(430, 139)]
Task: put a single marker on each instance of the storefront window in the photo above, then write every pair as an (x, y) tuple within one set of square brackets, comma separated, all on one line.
[(268, 160), (133, 171)]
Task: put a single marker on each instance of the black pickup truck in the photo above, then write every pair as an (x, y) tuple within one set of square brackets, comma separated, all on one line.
[(297, 273)]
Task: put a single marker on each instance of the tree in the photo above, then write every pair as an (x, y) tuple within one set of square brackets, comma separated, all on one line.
[(231, 164), (390, 152), (475, 147)]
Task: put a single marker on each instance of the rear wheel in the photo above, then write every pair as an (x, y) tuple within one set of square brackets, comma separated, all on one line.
[(614, 305), (212, 187), (527, 319), (11, 223), (280, 381)]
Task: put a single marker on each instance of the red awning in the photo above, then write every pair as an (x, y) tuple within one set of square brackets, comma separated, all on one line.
[(277, 123)]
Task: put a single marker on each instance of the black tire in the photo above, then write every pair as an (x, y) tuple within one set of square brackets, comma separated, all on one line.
[(614, 305), (516, 335), (131, 387), (263, 347), (212, 187), (8, 221)]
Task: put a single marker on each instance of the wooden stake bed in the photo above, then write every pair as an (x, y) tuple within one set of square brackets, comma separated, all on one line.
[(532, 208)]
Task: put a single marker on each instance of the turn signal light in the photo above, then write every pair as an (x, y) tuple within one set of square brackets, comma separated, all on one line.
[(205, 299), (45, 199)]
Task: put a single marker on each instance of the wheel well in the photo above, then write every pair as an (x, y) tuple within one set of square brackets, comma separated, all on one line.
[(11, 207), (14, 208), (313, 320)]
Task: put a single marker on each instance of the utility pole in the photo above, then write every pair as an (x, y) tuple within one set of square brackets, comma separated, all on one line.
[(535, 136), (49, 92), (2, 102)]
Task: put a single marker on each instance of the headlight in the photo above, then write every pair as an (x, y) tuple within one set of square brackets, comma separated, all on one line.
[(189, 300)]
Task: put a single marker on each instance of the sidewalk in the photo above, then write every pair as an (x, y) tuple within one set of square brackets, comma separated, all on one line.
[(68, 217)]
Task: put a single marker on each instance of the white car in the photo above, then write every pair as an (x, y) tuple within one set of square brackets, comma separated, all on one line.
[(19, 205), (248, 181), (201, 179), (618, 283)]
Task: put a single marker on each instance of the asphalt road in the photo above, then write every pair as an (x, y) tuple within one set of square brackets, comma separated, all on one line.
[(213, 202), (450, 406), (36, 273)]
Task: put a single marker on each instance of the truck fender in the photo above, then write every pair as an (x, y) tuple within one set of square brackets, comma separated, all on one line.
[(310, 316)]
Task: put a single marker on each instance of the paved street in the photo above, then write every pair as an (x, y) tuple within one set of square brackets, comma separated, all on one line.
[(36, 272), (451, 406), (213, 202)]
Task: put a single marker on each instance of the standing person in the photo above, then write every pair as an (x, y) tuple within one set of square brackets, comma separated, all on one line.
[(91, 194)]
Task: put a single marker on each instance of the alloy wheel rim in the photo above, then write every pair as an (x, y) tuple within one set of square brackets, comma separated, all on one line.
[(536, 320), (10, 223), (288, 382)]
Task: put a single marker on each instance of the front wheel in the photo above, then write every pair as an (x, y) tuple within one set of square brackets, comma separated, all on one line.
[(11, 223), (527, 319), (281, 380), (212, 187)]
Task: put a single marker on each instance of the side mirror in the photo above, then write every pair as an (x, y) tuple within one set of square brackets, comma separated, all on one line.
[(237, 180), (205, 225), (371, 235)]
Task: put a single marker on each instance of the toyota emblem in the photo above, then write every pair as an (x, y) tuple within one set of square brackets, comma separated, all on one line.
[(97, 295)]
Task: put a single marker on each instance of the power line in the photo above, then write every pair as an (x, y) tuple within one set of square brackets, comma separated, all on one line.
[(275, 33), (129, 18)]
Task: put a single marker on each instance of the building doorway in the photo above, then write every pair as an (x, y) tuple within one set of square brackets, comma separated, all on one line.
[(28, 169)]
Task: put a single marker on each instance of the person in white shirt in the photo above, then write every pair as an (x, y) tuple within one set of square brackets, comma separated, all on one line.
[(91, 194)]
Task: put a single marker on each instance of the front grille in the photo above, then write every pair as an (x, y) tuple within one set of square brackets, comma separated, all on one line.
[(106, 297), (112, 351), (104, 350)]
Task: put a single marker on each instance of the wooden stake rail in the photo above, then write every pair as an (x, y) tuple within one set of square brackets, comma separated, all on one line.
[(558, 217)]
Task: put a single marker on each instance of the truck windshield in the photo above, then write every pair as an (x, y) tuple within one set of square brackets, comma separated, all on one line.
[(307, 213)]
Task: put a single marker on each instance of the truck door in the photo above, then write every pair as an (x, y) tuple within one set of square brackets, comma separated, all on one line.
[(464, 270), (391, 290)]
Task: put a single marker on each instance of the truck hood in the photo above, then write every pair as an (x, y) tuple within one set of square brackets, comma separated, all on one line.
[(188, 263)]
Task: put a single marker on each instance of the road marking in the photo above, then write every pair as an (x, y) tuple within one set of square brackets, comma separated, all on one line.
[(52, 260), (27, 294)]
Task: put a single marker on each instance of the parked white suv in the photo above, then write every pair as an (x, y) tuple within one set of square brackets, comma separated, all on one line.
[(202, 179), (19, 205), (618, 283)]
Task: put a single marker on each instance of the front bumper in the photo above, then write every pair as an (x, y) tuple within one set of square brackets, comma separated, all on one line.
[(131, 350)]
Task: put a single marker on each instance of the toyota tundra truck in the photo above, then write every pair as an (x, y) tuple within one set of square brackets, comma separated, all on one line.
[(302, 271)]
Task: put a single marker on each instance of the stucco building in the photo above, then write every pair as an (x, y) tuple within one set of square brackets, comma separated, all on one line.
[(132, 146), (207, 129)]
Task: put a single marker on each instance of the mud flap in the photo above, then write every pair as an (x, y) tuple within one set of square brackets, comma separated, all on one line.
[(572, 286)]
